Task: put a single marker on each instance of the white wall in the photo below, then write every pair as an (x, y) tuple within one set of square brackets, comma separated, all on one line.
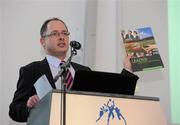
[(105, 59), (21, 24), (90, 33), (0, 60)]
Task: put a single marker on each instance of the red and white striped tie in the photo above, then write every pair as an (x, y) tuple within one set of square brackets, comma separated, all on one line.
[(69, 78)]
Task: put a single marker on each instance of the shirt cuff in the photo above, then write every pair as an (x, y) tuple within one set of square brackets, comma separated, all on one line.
[(129, 70)]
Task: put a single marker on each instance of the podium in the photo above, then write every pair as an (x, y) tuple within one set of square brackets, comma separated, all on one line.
[(89, 108)]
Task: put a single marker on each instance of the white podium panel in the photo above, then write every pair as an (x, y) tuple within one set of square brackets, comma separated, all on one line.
[(102, 109)]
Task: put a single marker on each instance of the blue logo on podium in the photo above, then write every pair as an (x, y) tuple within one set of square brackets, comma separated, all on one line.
[(112, 112)]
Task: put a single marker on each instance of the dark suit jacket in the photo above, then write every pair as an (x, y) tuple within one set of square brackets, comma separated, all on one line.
[(29, 74)]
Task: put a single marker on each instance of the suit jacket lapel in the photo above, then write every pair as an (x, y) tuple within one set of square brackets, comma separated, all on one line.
[(46, 69)]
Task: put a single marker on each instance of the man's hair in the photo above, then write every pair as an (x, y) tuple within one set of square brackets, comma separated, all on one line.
[(44, 26)]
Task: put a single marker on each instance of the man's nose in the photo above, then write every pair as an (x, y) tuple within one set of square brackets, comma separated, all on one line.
[(61, 37)]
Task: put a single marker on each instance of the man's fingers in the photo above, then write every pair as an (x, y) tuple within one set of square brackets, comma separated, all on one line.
[(129, 56), (35, 99), (32, 101)]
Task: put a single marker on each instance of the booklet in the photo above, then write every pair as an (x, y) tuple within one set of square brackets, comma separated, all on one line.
[(42, 86), (140, 43)]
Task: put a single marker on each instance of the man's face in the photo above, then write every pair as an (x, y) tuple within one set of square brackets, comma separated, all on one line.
[(56, 41)]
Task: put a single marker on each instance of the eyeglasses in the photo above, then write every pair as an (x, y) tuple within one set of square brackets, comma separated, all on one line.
[(57, 34)]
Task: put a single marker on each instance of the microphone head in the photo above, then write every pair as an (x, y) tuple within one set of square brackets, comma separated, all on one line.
[(74, 44)]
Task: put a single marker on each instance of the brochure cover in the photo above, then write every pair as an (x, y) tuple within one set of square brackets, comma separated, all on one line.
[(140, 43)]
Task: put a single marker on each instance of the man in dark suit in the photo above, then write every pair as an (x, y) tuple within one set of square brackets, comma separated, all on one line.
[(55, 41)]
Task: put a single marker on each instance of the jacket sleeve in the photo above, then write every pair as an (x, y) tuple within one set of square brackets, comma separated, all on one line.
[(18, 110), (127, 73)]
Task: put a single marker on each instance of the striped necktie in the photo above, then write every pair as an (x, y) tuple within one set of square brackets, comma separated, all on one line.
[(69, 78)]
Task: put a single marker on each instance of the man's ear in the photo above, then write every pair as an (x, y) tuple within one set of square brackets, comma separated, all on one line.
[(42, 41)]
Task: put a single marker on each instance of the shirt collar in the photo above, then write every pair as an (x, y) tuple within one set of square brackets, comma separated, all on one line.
[(54, 61)]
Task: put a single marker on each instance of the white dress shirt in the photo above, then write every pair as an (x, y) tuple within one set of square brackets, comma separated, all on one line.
[(55, 67)]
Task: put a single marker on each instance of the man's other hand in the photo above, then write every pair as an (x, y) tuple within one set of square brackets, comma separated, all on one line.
[(32, 101)]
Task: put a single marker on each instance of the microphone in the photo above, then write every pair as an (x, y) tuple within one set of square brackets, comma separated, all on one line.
[(74, 44)]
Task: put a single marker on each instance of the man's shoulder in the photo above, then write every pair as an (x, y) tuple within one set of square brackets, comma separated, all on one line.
[(34, 64), (78, 66)]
